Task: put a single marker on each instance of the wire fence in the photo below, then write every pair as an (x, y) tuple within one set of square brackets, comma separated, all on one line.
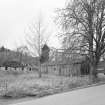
[(3, 87)]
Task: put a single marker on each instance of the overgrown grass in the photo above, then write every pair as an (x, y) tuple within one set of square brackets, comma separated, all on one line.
[(23, 84)]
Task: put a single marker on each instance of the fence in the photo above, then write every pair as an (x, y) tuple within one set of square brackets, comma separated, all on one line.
[(62, 69), (64, 63), (3, 87)]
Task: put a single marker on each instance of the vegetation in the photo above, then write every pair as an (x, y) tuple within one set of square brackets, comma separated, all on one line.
[(37, 36), (84, 23), (7, 55), (23, 84)]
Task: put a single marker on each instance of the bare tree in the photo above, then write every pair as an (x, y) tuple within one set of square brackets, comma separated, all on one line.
[(36, 38), (20, 51), (85, 19)]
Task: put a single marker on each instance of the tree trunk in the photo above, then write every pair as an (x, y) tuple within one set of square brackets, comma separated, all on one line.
[(47, 68), (93, 69), (93, 73), (40, 75)]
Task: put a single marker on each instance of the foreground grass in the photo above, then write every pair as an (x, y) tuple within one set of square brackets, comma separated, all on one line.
[(18, 86), (22, 84)]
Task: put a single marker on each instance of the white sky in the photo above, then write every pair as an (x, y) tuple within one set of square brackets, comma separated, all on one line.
[(15, 15)]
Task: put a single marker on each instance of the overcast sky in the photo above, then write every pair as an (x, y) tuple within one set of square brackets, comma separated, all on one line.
[(15, 15)]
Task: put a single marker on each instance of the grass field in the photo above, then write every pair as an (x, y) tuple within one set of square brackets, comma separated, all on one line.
[(16, 85), (22, 84)]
